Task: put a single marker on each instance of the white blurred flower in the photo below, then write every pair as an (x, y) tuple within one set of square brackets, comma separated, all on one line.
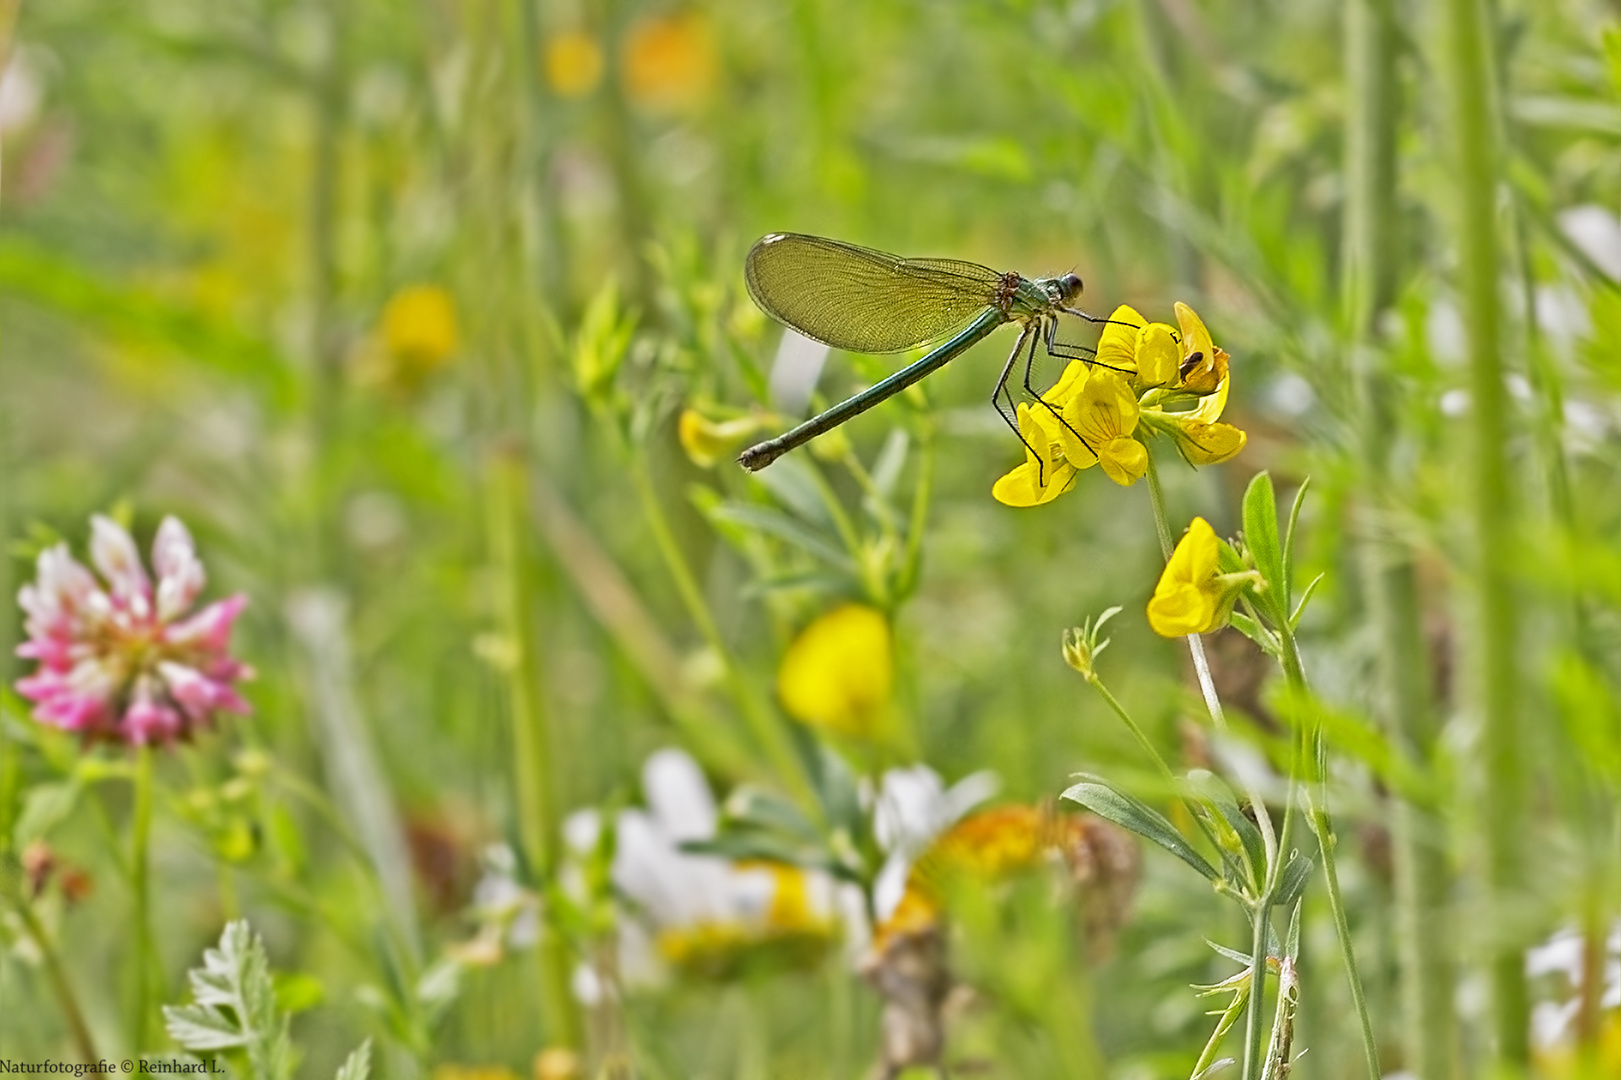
[(1561, 954)]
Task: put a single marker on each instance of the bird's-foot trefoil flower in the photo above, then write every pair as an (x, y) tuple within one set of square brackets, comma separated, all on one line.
[(1046, 472), (119, 657), (1147, 379), (1194, 595), (1098, 424)]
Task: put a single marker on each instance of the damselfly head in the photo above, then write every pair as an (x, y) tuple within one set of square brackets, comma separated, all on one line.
[(1066, 288)]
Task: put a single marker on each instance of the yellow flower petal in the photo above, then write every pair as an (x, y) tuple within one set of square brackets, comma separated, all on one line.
[(1042, 477), (1117, 346), (838, 672), (707, 441), (1209, 444), (1189, 599), (1124, 461), (1181, 610), (1197, 347), (1158, 356)]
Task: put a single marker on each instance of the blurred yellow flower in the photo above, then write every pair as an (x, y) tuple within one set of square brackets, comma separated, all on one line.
[(557, 1063), (669, 61), (419, 330), (1193, 596), (838, 672), (1098, 422), (708, 441), (573, 63)]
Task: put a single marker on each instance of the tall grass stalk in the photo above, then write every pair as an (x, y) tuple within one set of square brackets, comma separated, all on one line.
[(1371, 273), (534, 770), (1467, 69)]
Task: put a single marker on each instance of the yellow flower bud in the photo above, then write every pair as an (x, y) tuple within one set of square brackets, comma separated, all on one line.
[(708, 441)]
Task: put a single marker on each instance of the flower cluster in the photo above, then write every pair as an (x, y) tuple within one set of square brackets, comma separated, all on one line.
[(117, 658), (1146, 379)]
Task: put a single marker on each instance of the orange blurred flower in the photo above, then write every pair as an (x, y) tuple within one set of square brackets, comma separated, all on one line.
[(669, 61)]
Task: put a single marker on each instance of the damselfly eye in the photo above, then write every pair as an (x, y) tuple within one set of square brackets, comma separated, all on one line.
[(1071, 285)]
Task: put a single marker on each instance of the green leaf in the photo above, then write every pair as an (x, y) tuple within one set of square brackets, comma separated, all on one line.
[(1211, 791), (1112, 804), (357, 1066), (44, 807), (1300, 608), (235, 1005), (1261, 534), (775, 523), (1292, 882)]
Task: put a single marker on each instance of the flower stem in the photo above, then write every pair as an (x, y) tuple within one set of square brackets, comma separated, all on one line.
[(1255, 1020), (66, 1000), (1201, 664), (766, 727), (1467, 69), (1316, 792), (532, 743), (141, 885)]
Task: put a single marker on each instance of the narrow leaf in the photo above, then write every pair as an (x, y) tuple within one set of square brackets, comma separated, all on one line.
[(1112, 804), (1261, 533)]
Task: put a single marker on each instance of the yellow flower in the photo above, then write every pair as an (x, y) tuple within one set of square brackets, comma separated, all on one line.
[(838, 672), (1098, 422), (1203, 378), (419, 330), (573, 63), (669, 61), (1045, 473), (708, 441), (1193, 596), (1146, 351)]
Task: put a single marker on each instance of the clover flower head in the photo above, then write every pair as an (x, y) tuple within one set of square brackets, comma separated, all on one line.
[(119, 657)]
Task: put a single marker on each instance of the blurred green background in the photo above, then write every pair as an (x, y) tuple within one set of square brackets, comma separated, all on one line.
[(397, 306)]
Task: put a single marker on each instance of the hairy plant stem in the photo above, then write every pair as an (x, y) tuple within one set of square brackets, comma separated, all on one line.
[(534, 769), (141, 886), (763, 724), (1467, 70)]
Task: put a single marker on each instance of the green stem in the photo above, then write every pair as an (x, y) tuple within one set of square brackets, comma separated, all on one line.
[(533, 760), (1255, 1019), (66, 1000), (1316, 789), (141, 885), (1467, 69), (1201, 663), (766, 727)]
